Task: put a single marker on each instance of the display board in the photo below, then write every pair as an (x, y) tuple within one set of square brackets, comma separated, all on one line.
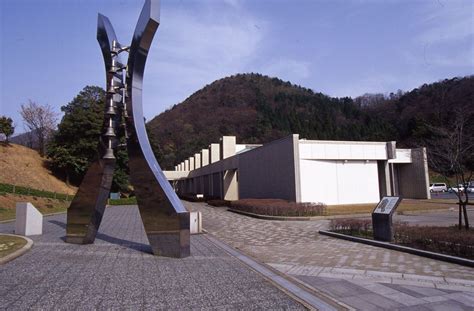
[(387, 205)]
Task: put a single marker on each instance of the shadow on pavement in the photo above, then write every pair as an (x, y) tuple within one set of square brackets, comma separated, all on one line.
[(113, 240)]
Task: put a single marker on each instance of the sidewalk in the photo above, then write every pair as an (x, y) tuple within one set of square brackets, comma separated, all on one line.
[(362, 276), (118, 271)]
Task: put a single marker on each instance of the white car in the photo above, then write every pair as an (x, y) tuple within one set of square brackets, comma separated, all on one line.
[(438, 187), (470, 187), (459, 188)]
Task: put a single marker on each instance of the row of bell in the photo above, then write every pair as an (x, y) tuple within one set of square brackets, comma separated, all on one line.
[(117, 70)]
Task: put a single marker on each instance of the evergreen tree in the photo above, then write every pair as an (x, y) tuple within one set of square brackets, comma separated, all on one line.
[(6, 127), (75, 144)]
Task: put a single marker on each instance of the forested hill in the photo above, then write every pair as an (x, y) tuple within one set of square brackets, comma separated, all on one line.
[(259, 109)]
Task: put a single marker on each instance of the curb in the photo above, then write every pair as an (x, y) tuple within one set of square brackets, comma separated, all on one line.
[(299, 291), (405, 249), (268, 217), (309, 218), (297, 218), (19, 252)]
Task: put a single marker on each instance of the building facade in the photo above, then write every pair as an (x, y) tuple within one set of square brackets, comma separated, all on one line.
[(300, 170)]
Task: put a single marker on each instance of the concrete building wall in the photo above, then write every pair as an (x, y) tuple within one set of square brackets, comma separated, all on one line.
[(342, 150), (269, 171), (214, 153), (230, 185), (305, 171), (197, 160), (413, 179), (204, 157), (216, 185), (339, 182), (227, 147)]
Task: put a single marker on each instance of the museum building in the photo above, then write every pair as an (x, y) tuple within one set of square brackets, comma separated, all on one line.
[(300, 170)]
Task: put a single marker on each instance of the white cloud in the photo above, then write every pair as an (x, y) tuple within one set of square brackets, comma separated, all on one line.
[(193, 49), (377, 83), (453, 21), (288, 69)]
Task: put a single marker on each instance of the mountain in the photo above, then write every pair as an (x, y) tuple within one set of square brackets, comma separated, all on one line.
[(28, 139), (439, 104), (256, 109), (259, 109)]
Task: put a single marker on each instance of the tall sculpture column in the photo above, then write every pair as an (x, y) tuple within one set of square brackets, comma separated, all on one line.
[(165, 219)]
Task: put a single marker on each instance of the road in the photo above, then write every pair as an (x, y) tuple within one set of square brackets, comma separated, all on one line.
[(447, 195)]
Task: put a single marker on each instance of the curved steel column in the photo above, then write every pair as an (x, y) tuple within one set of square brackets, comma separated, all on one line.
[(87, 208), (165, 219)]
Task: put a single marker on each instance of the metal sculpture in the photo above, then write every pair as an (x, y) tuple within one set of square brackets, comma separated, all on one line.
[(165, 219)]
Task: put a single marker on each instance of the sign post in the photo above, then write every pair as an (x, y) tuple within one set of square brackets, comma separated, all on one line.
[(382, 218)]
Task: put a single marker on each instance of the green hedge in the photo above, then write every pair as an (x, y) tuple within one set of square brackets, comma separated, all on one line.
[(123, 201), (8, 188)]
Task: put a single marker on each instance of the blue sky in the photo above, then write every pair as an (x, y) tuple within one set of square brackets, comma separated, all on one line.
[(49, 52)]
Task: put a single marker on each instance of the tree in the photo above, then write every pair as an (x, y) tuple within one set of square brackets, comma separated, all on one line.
[(75, 144), (40, 120), (451, 153), (6, 127)]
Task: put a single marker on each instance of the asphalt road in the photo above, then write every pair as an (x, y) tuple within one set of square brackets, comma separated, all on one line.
[(434, 218), (447, 195)]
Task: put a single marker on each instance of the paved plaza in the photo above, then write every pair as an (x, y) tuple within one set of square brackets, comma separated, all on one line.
[(362, 276), (119, 272)]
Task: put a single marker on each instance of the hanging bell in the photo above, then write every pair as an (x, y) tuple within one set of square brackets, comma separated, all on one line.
[(111, 90), (116, 66), (110, 132), (118, 85), (109, 154), (110, 111)]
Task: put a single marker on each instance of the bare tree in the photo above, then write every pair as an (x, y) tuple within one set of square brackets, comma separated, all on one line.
[(451, 153), (40, 120)]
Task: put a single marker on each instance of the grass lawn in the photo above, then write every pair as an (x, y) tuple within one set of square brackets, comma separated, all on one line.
[(405, 206), (44, 205), (9, 244)]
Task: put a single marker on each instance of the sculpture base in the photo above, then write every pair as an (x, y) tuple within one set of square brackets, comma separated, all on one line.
[(78, 240), (170, 244)]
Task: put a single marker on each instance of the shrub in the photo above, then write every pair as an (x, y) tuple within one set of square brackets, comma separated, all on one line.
[(446, 240), (191, 197), (276, 207), (219, 203), (123, 201), (34, 192), (357, 227)]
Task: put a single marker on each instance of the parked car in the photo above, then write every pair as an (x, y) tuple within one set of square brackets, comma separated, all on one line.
[(458, 188), (470, 187), (438, 187)]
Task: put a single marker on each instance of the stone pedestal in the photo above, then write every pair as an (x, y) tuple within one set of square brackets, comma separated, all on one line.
[(195, 222), (29, 221), (382, 218)]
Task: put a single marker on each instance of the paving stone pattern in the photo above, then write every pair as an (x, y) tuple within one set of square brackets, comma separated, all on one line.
[(119, 272), (362, 276)]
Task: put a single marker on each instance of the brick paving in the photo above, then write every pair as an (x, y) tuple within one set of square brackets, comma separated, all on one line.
[(119, 272), (362, 276)]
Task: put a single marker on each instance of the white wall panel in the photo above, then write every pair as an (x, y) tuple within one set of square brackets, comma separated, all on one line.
[(339, 182), (334, 150), (403, 156)]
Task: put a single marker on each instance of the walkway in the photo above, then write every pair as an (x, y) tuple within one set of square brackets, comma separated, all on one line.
[(118, 271), (362, 276)]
